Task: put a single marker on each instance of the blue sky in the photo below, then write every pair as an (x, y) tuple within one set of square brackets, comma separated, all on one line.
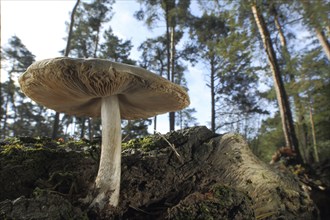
[(41, 27)]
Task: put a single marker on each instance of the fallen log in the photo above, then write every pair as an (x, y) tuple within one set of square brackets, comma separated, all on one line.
[(187, 174)]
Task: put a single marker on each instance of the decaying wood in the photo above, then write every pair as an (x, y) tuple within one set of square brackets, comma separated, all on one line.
[(216, 175), (160, 178)]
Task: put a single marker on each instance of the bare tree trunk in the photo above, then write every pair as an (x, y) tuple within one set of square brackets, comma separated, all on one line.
[(90, 129), (172, 60), (302, 127), (282, 99), (212, 78), (66, 53), (323, 41), (316, 154), (82, 127), (168, 53), (155, 124), (68, 43), (4, 126)]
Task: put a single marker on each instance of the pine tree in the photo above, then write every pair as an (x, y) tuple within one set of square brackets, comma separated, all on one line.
[(115, 49), (283, 101), (89, 20), (224, 47), (22, 117), (174, 14), (316, 16)]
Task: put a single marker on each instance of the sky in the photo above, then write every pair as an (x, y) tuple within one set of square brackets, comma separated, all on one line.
[(41, 27)]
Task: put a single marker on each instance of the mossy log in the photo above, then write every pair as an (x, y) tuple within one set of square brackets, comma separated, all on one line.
[(188, 174)]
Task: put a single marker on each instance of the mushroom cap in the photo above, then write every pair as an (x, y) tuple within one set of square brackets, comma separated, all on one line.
[(76, 87)]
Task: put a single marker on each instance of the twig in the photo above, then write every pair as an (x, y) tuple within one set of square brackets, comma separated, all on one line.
[(172, 146), (140, 210), (124, 138)]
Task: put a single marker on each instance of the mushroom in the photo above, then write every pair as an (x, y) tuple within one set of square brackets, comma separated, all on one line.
[(97, 87)]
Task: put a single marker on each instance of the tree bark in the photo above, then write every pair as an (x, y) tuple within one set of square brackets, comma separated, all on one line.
[(66, 53), (282, 98)]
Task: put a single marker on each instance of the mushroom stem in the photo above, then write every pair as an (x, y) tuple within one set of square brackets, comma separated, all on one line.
[(108, 177)]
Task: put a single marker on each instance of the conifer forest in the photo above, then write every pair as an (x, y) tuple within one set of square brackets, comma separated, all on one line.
[(266, 66)]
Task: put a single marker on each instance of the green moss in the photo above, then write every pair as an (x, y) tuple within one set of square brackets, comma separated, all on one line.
[(74, 144), (147, 143), (29, 162), (11, 148)]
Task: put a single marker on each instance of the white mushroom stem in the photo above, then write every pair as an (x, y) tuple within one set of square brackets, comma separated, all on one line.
[(108, 177)]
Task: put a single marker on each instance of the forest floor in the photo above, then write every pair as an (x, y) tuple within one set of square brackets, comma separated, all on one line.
[(45, 179)]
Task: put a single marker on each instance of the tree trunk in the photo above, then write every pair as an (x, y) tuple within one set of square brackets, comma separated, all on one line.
[(66, 53), (282, 99), (316, 154), (90, 129), (301, 124), (168, 53), (323, 41), (212, 78), (82, 127), (4, 126), (155, 124), (172, 64), (56, 125)]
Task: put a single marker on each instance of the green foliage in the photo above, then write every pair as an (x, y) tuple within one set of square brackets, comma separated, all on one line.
[(172, 12), (135, 128), (324, 150), (270, 139), (115, 49), (226, 49), (146, 144), (89, 19), (315, 13), (153, 55), (19, 115), (186, 118)]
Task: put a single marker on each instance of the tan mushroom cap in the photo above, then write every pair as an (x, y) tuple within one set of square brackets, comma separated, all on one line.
[(76, 87)]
